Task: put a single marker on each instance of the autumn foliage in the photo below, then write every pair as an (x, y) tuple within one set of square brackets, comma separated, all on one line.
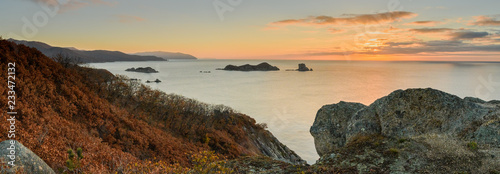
[(117, 122)]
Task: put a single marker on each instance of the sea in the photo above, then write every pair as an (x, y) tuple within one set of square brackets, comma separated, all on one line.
[(287, 101)]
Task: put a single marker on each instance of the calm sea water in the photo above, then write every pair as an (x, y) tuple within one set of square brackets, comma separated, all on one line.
[(288, 100)]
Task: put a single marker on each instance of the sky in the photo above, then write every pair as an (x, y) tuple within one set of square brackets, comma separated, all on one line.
[(395, 30)]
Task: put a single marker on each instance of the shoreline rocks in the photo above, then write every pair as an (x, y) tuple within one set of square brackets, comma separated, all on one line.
[(142, 70), (155, 81), (264, 66)]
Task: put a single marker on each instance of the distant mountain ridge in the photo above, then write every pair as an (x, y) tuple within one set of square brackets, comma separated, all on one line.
[(167, 55), (93, 56)]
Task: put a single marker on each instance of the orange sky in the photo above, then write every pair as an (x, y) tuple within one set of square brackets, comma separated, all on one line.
[(324, 30)]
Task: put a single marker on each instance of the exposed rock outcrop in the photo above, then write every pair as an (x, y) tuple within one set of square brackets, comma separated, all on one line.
[(25, 160), (303, 67), (142, 70), (270, 146), (330, 126), (264, 66), (411, 131)]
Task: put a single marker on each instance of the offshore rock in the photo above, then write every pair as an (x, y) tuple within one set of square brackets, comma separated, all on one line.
[(142, 70), (303, 67), (264, 66)]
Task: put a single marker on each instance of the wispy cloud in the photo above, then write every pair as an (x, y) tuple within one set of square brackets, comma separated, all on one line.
[(68, 5), (468, 35), (430, 30), (424, 23), (336, 31), (129, 18), (485, 21), (352, 19)]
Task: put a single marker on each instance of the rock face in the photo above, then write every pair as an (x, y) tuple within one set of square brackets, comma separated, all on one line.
[(142, 70), (330, 126), (270, 146), (424, 120), (303, 67), (25, 160), (260, 67)]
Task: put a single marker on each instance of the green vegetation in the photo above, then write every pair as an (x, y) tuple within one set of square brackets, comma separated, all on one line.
[(73, 163), (394, 151), (203, 162), (472, 145)]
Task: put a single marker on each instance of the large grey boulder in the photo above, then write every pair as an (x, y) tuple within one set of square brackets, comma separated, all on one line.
[(25, 160), (330, 126), (411, 131), (409, 113), (413, 112)]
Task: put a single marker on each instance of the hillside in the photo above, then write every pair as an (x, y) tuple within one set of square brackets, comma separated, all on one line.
[(86, 56), (167, 55), (118, 122)]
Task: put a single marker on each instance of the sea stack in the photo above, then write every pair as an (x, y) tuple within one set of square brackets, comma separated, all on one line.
[(303, 67)]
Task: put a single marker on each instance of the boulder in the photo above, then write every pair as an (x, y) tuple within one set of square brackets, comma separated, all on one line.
[(25, 160), (410, 131), (414, 112), (330, 126), (409, 113)]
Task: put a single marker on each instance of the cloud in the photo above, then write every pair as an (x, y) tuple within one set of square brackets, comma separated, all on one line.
[(336, 31), (468, 35), (485, 21), (129, 18), (352, 19), (424, 23), (68, 5), (437, 46), (430, 30)]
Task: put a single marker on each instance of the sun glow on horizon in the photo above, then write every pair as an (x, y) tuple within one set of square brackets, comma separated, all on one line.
[(319, 31)]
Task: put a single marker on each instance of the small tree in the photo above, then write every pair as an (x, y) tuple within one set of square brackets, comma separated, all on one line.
[(73, 163), (66, 60)]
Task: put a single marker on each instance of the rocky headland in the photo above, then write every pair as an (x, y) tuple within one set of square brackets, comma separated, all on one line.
[(119, 124), (264, 66)]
